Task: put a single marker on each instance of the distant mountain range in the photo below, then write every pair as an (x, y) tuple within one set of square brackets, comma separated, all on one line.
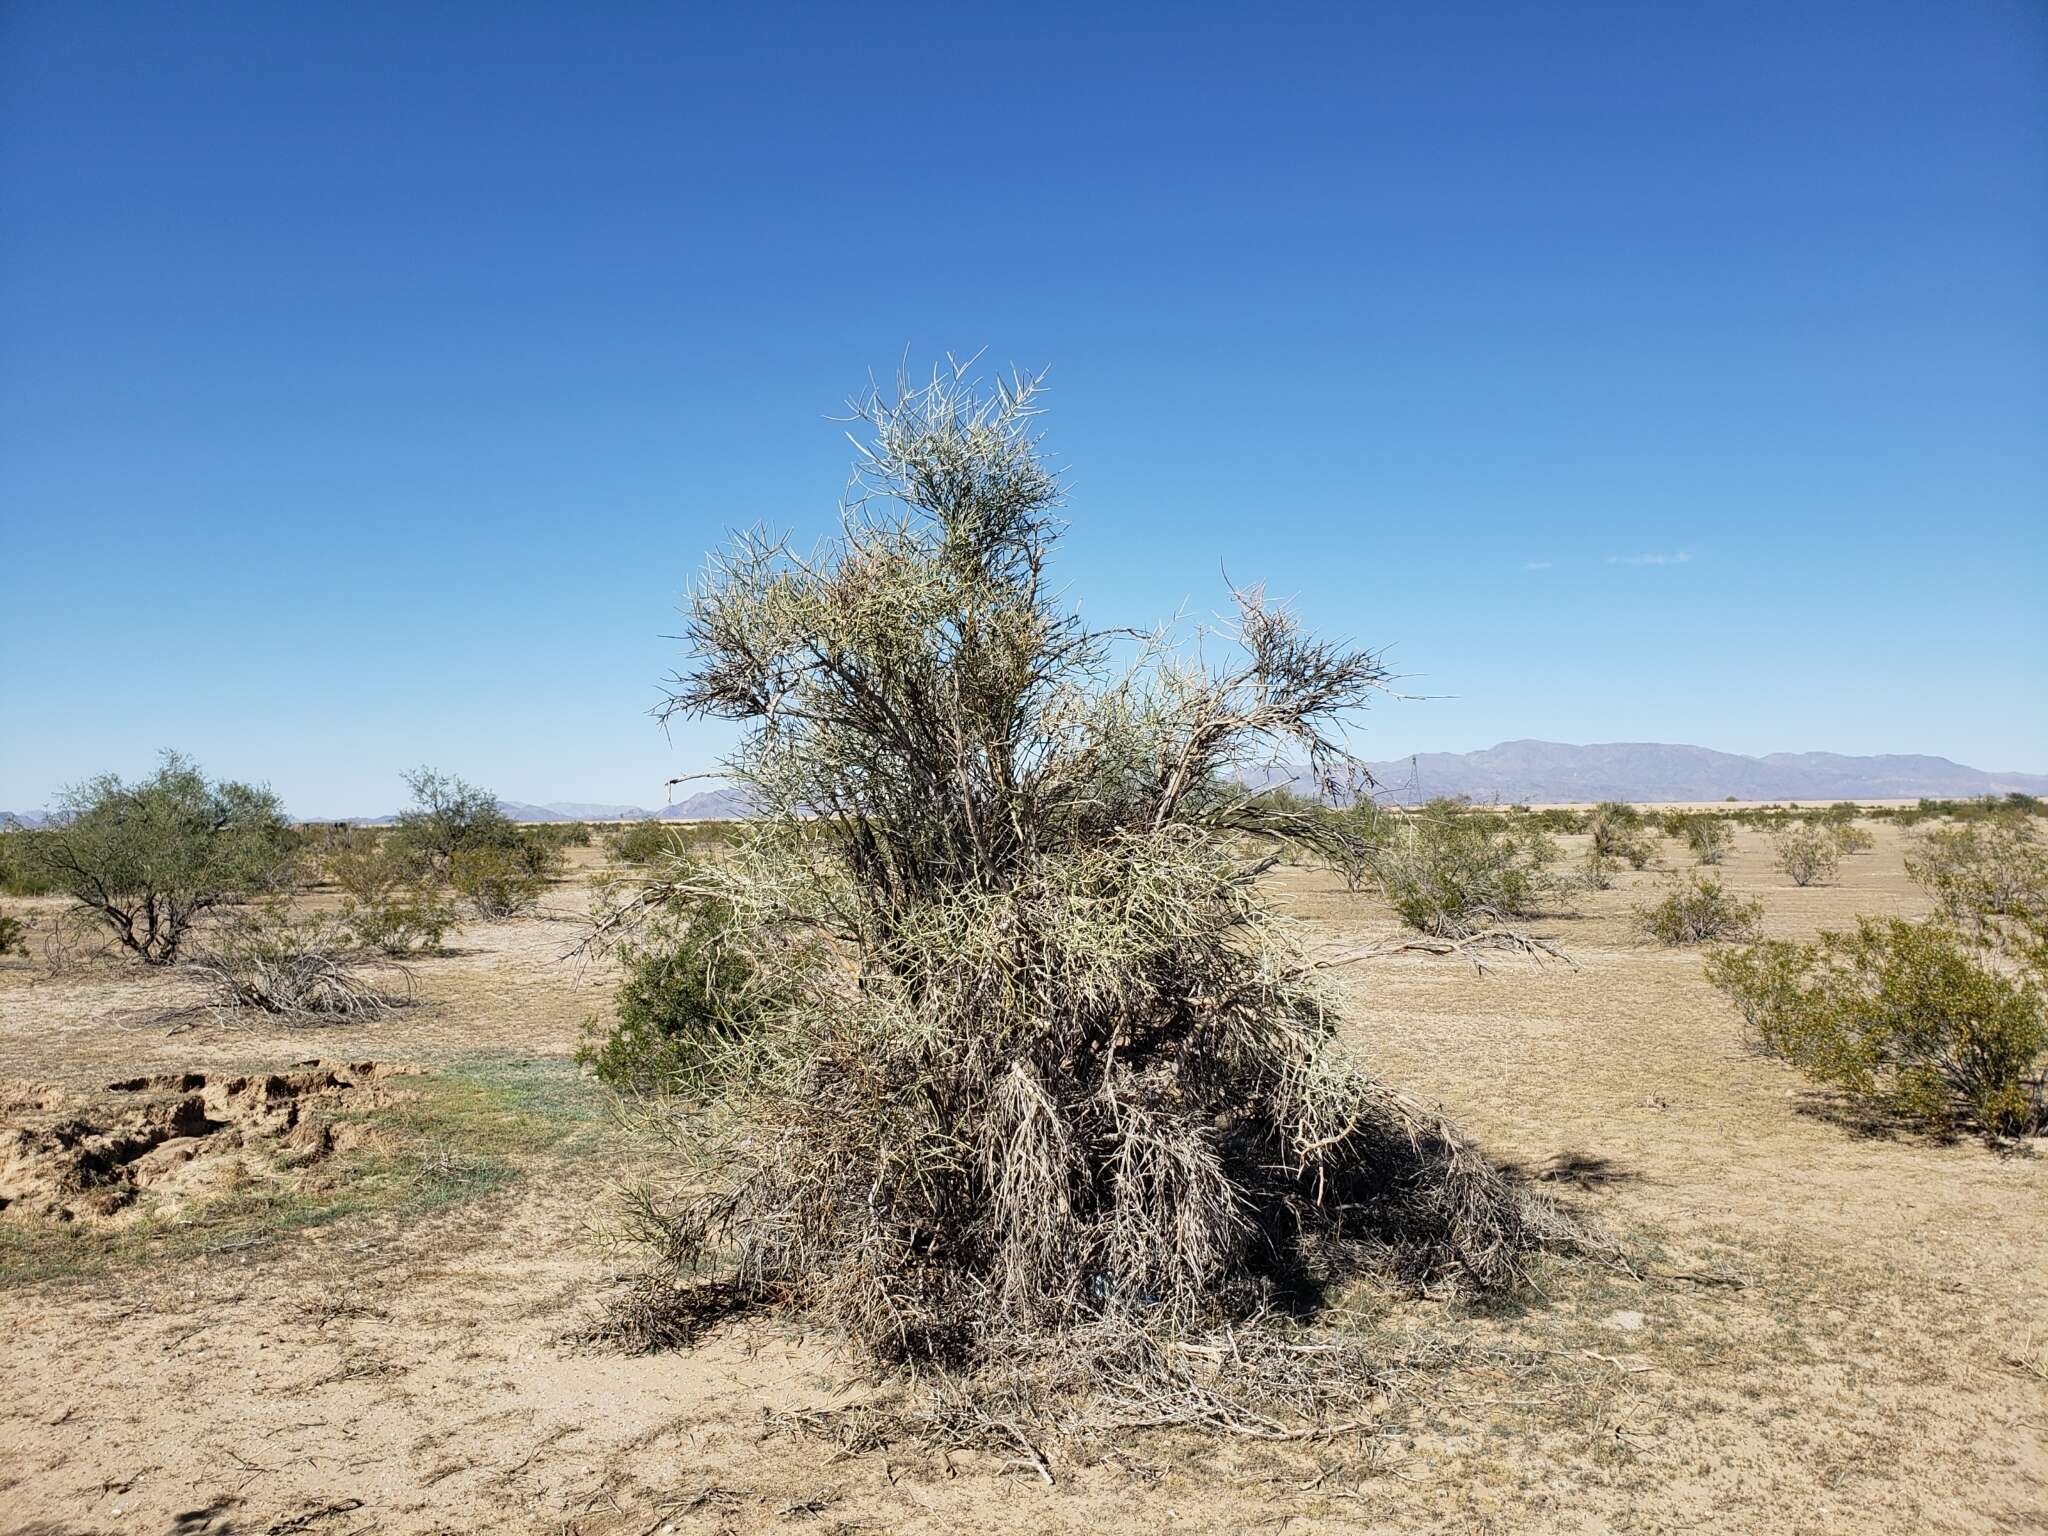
[(1526, 772), (1549, 772)]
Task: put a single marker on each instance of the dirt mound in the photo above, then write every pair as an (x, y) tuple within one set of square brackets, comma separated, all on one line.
[(176, 1135)]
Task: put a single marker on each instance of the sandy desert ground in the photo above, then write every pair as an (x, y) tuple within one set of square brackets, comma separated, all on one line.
[(343, 1293)]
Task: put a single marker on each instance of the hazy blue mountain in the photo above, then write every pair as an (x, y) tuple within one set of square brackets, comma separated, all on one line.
[(1550, 771)]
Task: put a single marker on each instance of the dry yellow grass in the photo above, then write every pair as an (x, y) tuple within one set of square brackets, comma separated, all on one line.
[(1832, 1330)]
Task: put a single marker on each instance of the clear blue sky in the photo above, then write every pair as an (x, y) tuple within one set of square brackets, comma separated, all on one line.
[(374, 377)]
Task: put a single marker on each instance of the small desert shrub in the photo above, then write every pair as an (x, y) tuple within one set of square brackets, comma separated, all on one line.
[(1850, 838), (562, 834), (1697, 909), (407, 920), (688, 1001), (13, 935), (1451, 871), (1705, 836), (22, 871), (642, 842), (390, 903), (1762, 980), (1617, 832), (497, 882), (149, 859), (1557, 819), (295, 968), (1982, 869), (1808, 855), (1908, 1017)]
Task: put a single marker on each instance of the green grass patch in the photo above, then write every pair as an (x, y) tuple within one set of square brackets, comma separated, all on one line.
[(467, 1129)]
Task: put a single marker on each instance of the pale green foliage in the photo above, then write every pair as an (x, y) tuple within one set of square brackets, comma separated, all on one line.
[(1616, 831), (1451, 871), (390, 903), (497, 882), (455, 833), (1850, 838), (1695, 909), (1037, 1052), (1808, 854), (148, 859), (1909, 1017), (1705, 836), (1989, 876)]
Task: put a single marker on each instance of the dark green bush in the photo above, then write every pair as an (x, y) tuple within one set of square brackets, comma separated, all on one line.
[(687, 1001), (1908, 1017), (13, 936)]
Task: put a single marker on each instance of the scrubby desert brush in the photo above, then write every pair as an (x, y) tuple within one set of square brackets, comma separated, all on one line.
[(304, 968), (1035, 1058), (1914, 1019), (22, 870), (1809, 855), (496, 882), (1451, 872), (1981, 870), (391, 903), (1850, 838), (639, 842), (1616, 830), (13, 936), (1704, 835), (1697, 909)]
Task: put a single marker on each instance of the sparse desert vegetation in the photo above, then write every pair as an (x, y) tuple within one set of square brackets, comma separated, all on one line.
[(969, 1128)]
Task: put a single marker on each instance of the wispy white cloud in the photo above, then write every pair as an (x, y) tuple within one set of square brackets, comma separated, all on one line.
[(1537, 565), (1679, 557)]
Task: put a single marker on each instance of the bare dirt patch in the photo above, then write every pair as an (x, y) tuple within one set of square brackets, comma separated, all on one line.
[(175, 1136)]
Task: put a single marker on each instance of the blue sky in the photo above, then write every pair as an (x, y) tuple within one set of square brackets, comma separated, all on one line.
[(374, 377)]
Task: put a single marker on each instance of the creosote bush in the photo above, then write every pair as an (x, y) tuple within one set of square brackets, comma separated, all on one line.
[(1615, 831), (1850, 838), (1809, 855), (1698, 908), (1984, 874), (390, 903), (13, 936), (1911, 1018), (497, 882), (1451, 871), (1025, 1054), (1705, 836)]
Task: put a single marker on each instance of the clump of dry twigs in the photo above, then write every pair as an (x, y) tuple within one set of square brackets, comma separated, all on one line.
[(302, 968), (1005, 1054)]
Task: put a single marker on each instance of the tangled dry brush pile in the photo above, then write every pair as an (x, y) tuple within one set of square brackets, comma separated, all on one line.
[(997, 1053)]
